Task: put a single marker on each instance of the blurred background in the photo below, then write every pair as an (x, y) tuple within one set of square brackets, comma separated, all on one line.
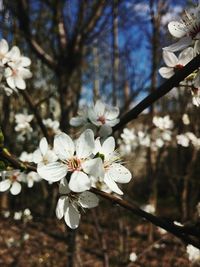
[(81, 51)]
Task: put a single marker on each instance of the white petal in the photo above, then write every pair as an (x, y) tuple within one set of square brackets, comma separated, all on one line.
[(72, 217), (63, 146), (180, 45), (112, 113), (64, 187), (37, 156), (43, 146), (85, 144), (15, 188), (177, 29), (94, 167), (88, 200), (112, 185), (5, 185), (170, 58), (99, 108), (61, 207), (52, 172), (24, 73), (25, 61), (10, 81), (79, 182), (186, 56), (119, 173), (77, 121), (14, 53), (3, 47), (166, 72), (108, 146), (19, 82)]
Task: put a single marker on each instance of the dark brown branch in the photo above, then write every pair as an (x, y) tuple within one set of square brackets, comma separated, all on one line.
[(160, 92), (170, 227)]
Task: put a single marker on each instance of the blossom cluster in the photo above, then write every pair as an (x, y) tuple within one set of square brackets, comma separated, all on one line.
[(99, 117), (13, 68), (187, 31), (163, 134), (80, 165)]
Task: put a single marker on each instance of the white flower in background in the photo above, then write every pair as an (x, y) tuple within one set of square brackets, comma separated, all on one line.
[(100, 116), (194, 139), (75, 159), (3, 51), (17, 71), (187, 30), (27, 157), (193, 253), (23, 123), (11, 181), (114, 172), (166, 135), (186, 119), (144, 139), (159, 142), (129, 136), (173, 63), (52, 125), (31, 178), (70, 203), (183, 140), (103, 116), (133, 257), (44, 154), (17, 215), (163, 123)]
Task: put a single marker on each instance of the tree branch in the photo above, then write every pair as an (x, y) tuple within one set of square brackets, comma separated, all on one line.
[(160, 92)]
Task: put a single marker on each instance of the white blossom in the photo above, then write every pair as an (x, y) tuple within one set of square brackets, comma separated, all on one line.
[(11, 181), (186, 119), (193, 253), (75, 159), (163, 123), (44, 154), (114, 172), (173, 63), (53, 125), (99, 116), (187, 30), (23, 123), (70, 203)]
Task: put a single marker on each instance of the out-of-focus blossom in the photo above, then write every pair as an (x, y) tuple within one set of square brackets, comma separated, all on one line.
[(163, 123), (193, 253), (186, 119), (23, 123), (52, 125)]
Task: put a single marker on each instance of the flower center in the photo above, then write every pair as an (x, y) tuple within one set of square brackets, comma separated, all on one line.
[(74, 164), (178, 67), (102, 119)]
